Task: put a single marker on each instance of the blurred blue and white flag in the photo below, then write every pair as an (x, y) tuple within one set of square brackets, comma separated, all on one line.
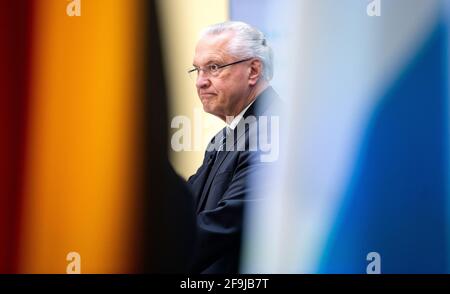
[(365, 179)]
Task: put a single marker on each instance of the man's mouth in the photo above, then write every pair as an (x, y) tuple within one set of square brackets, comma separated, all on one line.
[(207, 95)]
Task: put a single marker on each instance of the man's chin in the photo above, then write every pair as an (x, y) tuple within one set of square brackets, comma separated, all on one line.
[(208, 108)]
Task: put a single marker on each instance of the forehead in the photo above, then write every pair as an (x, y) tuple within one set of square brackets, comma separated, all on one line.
[(212, 48)]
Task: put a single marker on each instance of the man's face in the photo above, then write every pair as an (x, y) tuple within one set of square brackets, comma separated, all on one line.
[(225, 94)]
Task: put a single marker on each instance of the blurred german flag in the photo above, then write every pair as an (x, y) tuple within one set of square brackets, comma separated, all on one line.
[(84, 113)]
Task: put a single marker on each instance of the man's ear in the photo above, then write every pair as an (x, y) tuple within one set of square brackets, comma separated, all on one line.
[(255, 74)]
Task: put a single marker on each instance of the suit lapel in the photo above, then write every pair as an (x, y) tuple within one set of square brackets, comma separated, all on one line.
[(220, 158)]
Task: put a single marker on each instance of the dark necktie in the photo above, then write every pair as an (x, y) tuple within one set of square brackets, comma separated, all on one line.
[(222, 143)]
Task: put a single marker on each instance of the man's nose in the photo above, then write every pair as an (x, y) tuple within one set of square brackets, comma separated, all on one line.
[(202, 80)]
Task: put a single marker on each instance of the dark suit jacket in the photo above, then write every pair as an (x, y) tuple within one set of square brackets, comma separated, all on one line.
[(221, 190)]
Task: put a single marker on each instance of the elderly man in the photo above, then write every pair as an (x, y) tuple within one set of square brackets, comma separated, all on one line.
[(232, 70)]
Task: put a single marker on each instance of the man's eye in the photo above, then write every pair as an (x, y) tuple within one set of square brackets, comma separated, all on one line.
[(213, 67)]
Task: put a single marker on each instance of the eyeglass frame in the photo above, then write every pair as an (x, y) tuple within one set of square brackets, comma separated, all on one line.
[(210, 72)]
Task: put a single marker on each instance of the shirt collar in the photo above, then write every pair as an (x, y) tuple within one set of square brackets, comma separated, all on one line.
[(238, 117)]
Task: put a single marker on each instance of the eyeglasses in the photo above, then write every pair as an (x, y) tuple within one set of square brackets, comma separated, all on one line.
[(211, 69)]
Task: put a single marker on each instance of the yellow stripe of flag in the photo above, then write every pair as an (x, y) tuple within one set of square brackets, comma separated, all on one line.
[(78, 193)]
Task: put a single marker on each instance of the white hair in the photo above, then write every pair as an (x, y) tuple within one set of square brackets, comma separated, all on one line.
[(247, 42)]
